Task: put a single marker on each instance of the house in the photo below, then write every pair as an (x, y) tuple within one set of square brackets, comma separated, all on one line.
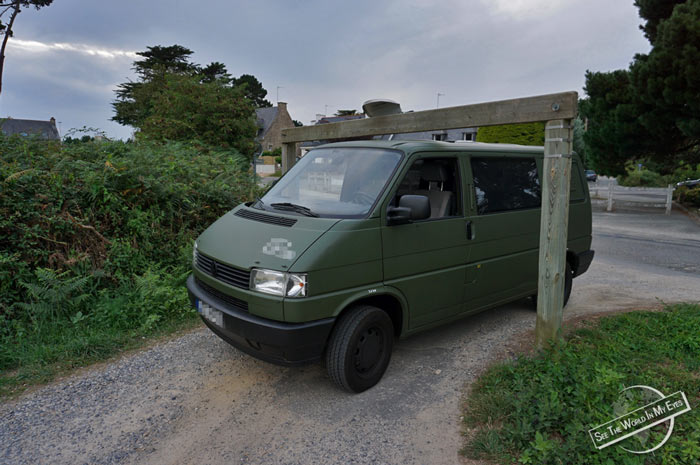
[(271, 121), (446, 135), (28, 127)]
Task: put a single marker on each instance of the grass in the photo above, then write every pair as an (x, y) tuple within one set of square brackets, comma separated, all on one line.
[(78, 347), (538, 409)]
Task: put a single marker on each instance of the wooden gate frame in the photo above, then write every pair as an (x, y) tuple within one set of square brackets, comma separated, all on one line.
[(556, 110)]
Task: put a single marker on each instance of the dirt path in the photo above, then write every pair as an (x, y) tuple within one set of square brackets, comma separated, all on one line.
[(197, 400)]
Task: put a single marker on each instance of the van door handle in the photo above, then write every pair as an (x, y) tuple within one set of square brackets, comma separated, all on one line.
[(470, 230)]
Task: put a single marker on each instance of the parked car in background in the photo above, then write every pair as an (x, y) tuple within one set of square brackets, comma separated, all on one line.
[(690, 183), (591, 176)]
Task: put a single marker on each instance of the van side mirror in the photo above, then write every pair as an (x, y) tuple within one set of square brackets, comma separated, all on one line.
[(411, 208)]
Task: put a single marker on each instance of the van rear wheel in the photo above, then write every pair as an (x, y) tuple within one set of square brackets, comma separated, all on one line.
[(360, 348), (568, 285)]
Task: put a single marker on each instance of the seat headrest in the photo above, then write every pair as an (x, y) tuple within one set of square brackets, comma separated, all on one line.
[(433, 172), (411, 182)]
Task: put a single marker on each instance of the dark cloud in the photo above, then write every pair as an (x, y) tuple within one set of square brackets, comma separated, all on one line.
[(322, 53)]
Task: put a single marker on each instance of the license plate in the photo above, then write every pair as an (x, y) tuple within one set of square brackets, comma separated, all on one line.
[(210, 313)]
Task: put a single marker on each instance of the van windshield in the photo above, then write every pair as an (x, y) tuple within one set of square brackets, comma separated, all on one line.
[(338, 182)]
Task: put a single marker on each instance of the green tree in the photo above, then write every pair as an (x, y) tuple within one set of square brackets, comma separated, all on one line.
[(614, 133), (668, 78), (345, 112), (134, 101), (215, 71), (10, 9), (253, 89), (211, 113), (654, 12)]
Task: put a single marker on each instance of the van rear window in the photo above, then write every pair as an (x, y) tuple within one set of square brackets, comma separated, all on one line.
[(503, 184)]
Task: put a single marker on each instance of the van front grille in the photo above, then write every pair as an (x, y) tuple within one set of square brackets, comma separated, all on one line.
[(226, 273), (238, 304), (263, 218)]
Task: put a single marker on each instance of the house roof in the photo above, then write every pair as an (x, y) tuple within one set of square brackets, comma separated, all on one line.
[(265, 116), (27, 127)]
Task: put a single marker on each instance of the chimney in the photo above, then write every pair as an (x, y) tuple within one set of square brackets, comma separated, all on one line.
[(53, 121), (281, 106)]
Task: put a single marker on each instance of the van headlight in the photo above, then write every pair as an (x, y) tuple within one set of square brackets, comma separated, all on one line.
[(278, 283)]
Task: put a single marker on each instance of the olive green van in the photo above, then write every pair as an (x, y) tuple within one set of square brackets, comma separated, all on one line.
[(362, 242)]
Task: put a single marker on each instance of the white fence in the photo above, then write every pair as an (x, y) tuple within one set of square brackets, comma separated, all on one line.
[(614, 194)]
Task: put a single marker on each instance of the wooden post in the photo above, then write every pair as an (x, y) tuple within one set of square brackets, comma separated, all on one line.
[(611, 189), (289, 155), (556, 176), (669, 199)]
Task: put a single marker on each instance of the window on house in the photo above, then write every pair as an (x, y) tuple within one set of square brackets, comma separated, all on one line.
[(503, 184), (468, 136), (440, 136)]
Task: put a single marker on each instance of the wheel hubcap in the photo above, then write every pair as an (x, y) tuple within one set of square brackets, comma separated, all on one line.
[(368, 349)]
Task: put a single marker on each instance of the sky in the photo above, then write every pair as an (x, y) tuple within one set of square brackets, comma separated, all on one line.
[(66, 60)]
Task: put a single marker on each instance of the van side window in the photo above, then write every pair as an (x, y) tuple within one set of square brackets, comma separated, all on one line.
[(437, 179), (503, 184)]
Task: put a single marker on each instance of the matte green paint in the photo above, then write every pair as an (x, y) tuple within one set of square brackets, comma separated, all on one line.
[(431, 267)]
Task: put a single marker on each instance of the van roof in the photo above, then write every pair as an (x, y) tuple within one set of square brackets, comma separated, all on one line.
[(410, 146)]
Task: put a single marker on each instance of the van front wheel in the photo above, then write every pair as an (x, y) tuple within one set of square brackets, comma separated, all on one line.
[(360, 347)]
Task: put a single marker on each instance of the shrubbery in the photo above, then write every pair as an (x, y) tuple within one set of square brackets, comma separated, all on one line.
[(95, 242)]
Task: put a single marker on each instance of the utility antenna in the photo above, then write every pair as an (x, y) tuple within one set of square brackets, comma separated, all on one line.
[(278, 94), (438, 99)]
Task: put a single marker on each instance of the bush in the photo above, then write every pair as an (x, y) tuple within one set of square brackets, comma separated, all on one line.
[(95, 240), (688, 196), (523, 134)]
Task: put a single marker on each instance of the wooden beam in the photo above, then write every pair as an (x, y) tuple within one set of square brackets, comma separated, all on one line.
[(522, 110), (289, 156), (556, 177)]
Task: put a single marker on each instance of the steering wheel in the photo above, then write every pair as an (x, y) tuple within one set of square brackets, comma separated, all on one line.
[(363, 198)]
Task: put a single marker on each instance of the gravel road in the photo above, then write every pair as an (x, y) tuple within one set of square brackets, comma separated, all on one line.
[(197, 400)]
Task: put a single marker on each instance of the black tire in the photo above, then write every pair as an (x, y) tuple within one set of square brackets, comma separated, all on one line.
[(568, 285), (359, 349)]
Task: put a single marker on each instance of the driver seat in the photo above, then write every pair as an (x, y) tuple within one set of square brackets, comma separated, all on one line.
[(440, 200)]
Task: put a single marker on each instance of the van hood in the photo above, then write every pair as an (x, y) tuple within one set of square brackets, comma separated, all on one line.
[(246, 238)]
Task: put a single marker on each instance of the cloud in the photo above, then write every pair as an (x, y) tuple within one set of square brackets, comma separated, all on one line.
[(521, 9), (33, 46)]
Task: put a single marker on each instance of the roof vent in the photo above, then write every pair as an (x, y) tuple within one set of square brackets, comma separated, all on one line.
[(381, 107)]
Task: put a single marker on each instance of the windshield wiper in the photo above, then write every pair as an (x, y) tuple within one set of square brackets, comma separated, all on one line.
[(294, 207)]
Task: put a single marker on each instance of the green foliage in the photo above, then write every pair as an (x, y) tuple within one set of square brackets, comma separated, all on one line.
[(651, 110), (614, 133), (579, 144), (537, 410), (644, 177), (214, 114), (666, 79), (252, 89), (522, 134), (654, 11), (272, 153), (95, 243), (175, 99)]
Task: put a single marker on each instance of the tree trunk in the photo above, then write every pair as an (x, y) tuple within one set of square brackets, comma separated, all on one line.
[(8, 33)]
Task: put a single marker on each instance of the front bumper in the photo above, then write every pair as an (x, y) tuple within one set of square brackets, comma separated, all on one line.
[(584, 260), (269, 340)]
